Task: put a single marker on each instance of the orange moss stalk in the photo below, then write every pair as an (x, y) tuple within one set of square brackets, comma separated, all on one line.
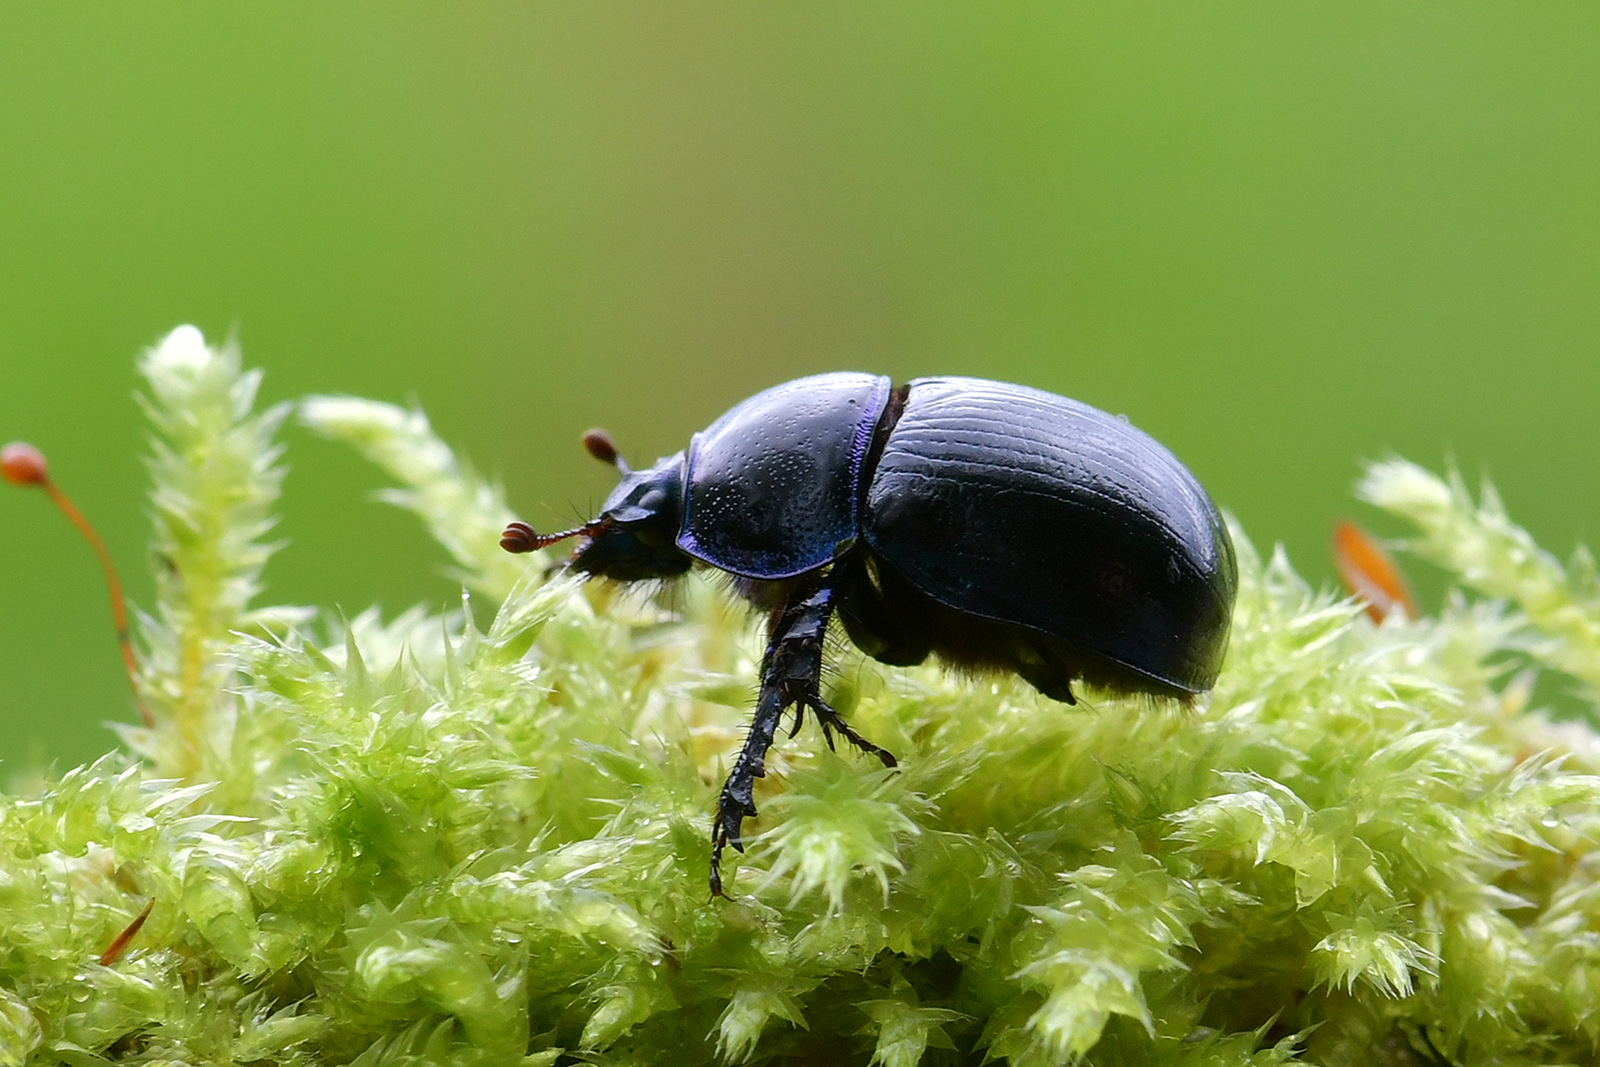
[(22, 464), (1368, 572)]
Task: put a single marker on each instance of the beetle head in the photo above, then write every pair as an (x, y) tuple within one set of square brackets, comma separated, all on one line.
[(635, 535)]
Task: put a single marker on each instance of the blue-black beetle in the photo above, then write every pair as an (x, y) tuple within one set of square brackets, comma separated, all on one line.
[(997, 526)]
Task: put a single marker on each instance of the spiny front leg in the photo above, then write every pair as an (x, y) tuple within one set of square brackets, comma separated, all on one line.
[(791, 672), (737, 802)]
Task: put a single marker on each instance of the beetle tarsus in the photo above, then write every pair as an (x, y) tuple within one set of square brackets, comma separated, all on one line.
[(831, 720), (737, 802)]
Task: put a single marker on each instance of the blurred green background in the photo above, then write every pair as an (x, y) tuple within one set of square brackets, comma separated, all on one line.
[(1281, 238)]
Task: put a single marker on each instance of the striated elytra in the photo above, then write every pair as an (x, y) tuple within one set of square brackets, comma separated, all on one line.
[(996, 526)]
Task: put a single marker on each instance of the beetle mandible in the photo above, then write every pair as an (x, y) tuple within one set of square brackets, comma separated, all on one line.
[(996, 526)]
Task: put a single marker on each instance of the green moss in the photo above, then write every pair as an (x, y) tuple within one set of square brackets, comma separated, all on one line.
[(411, 841)]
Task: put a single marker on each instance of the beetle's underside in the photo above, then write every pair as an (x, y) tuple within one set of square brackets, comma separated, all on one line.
[(896, 623)]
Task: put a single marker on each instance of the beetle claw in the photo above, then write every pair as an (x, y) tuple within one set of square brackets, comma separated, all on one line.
[(731, 811), (827, 732)]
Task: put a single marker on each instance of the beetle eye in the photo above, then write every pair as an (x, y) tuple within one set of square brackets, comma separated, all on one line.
[(654, 500)]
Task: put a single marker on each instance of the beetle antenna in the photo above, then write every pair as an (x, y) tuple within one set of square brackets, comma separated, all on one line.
[(603, 447), (520, 537), (22, 464)]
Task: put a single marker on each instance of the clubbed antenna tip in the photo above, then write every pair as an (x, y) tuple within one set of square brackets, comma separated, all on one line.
[(520, 537), (603, 447)]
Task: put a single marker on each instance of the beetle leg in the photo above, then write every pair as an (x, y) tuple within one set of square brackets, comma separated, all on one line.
[(831, 720), (827, 731), (1054, 680), (791, 672), (736, 802)]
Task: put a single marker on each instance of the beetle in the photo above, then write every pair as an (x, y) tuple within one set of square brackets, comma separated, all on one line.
[(996, 526)]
